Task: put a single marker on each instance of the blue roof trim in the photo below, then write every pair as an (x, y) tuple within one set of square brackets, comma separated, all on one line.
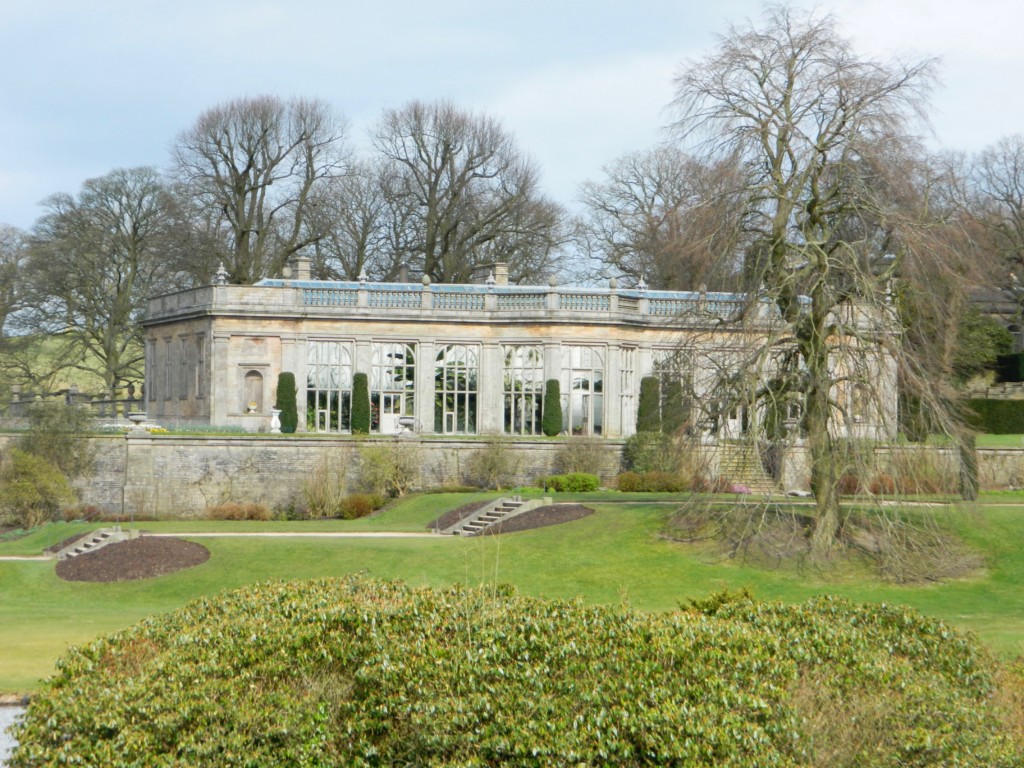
[(467, 288)]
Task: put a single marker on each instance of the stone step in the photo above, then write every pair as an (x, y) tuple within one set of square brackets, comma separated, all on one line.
[(493, 514), (96, 540)]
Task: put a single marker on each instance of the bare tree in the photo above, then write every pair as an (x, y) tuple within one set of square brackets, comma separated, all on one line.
[(998, 176), (251, 169), (95, 259), (809, 120), (460, 194), (666, 218), (13, 259), (360, 227)]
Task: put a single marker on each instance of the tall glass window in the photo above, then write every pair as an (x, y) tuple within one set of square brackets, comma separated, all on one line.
[(674, 369), (582, 388), (455, 390), (392, 386), (524, 390), (328, 386), (627, 390)]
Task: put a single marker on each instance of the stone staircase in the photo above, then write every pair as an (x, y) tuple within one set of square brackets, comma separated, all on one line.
[(94, 541), (740, 463), (492, 514)]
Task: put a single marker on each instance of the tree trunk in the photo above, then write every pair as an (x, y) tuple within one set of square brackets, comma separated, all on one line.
[(820, 441)]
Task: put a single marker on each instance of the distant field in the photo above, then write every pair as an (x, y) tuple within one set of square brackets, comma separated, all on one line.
[(1001, 441), (614, 556)]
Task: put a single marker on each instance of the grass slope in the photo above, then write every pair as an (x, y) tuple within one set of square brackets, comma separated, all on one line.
[(612, 557)]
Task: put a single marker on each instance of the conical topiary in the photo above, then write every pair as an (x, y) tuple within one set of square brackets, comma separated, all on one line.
[(648, 415), (551, 422), (360, 405), (285, 402)]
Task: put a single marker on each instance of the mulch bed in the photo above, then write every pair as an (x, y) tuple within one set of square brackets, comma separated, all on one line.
[(554, 514), (141, 558), (453, 516), (540, 517), (149, 556)]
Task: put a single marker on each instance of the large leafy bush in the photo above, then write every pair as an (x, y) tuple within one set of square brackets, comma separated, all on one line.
[(32, 490), (357, 673)]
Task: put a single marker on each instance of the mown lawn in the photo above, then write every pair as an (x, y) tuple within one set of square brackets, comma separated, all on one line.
[(614, 556)]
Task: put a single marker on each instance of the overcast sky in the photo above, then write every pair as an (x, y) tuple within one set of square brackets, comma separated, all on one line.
[(92, 86)]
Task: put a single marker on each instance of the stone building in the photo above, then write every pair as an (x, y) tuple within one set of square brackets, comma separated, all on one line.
[(459, 359)]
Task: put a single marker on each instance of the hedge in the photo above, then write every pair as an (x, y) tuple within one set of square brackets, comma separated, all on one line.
[(573, 482), (996, 417)]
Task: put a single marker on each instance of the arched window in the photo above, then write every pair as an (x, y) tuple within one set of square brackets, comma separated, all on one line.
[(455, 390), (524, 390), (328, 386), (582, 388), (252, 392), (392, 386)]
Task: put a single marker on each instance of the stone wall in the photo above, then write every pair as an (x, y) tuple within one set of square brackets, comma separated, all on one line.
[(177, 476)]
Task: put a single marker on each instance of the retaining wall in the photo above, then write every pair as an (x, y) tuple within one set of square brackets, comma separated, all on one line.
[(179, 476)]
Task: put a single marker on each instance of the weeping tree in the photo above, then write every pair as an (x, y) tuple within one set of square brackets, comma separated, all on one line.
[(823, 137)]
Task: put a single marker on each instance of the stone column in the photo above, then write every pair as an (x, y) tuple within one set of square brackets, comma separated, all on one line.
[(613, 391), (490, 384), (426, 354), (223, 379)]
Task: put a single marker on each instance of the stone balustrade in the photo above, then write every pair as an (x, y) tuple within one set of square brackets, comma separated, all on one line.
[(327, 298)]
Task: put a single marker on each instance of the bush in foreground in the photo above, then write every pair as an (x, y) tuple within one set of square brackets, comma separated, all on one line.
[(357, 672)]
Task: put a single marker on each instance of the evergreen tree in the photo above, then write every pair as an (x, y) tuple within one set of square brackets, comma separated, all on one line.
[(552, 419), (360, 405), (285, 402), (648, 416), (673, 409)]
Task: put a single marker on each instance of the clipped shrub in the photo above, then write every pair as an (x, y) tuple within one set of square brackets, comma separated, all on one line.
[(653, 482), (232, 510), (286, 402), (32, 490), (360, 405), (648, 413), (493, 466), (664, 482), (551, 421), (389, 469), (574, 482), (358, 505), (629, 482)]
